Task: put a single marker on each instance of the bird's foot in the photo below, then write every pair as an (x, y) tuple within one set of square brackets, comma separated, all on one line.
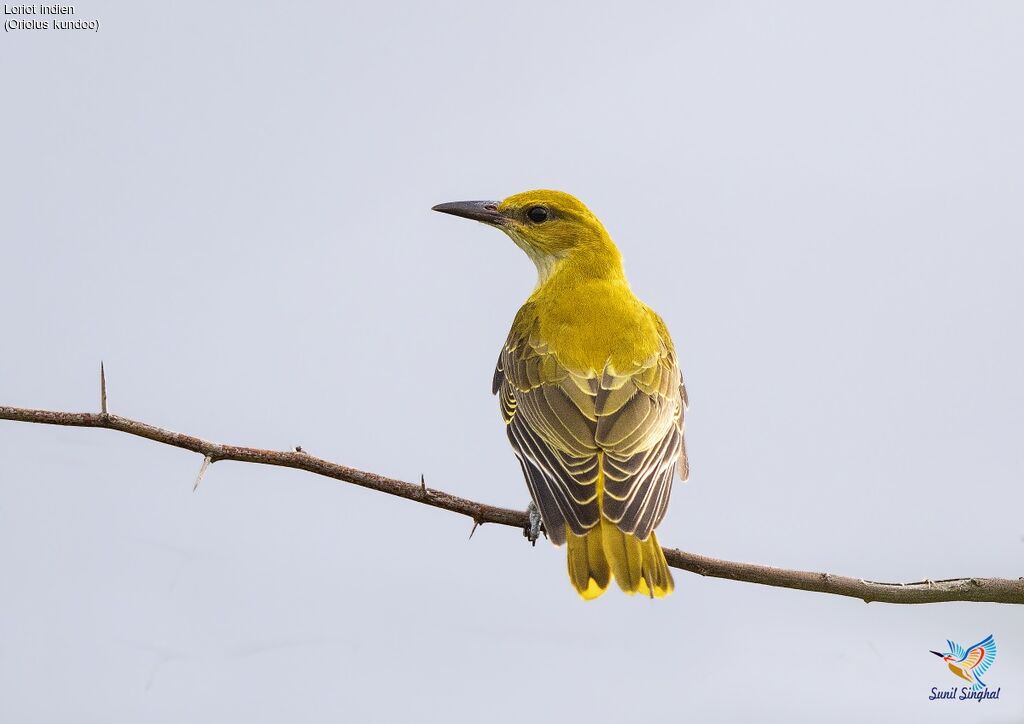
[(533, 528)]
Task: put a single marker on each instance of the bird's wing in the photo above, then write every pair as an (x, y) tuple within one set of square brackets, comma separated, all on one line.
[(956, 650), (550, 420), (559, 419), (981, 655), (640, 429)]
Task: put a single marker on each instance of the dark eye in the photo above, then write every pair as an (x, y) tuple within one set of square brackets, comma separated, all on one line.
[(537, 214)]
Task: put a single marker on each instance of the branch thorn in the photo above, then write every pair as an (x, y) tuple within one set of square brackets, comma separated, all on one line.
[(103, 389), (202, 471)]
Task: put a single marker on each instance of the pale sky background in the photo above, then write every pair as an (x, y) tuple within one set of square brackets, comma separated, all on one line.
[(229, 204)]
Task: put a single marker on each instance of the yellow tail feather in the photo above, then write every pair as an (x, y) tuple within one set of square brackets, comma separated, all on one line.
[(588, 567), (605, 551)]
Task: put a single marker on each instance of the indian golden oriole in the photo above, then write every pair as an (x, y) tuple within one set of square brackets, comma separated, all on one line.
[(591, 395)]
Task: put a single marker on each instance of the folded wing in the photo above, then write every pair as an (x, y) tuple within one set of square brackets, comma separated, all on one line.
[(559, 419)]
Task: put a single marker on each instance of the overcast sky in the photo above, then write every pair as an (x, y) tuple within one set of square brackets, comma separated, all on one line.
[(229, 204)]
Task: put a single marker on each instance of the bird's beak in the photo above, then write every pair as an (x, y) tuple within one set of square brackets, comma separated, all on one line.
[(483, 211), (941, 656)]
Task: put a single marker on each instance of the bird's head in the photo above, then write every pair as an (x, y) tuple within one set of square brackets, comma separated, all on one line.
[(944, 657), (550, 226)]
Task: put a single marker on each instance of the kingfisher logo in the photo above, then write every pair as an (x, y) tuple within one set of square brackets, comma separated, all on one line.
[(969, 664)]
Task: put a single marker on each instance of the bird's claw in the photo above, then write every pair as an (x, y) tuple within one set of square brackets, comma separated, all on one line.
[(533, 528)]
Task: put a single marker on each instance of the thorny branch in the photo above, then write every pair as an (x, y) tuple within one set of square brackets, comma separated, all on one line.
[(993, 590)]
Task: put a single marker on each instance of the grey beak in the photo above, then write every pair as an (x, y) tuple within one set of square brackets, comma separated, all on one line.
[(485, 212)]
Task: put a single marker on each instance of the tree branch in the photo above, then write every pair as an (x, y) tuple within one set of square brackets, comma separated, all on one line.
[(993, 590)]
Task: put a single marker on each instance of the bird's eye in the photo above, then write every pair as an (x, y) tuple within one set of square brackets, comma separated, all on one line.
[(537, 214)]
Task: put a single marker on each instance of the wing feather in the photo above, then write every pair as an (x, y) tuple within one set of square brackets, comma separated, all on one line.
[(956, 650), (559, 420), (981, 655)]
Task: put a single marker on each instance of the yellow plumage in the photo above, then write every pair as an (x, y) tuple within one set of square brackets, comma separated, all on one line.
[(591, 394), (605, 551)]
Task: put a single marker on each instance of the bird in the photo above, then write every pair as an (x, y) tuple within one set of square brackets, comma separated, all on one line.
[(970, 663), (591, 393)]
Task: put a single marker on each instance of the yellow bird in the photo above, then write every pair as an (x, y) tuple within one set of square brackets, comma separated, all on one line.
[(591, 394)]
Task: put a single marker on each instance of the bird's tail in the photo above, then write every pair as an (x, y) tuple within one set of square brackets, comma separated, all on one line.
[(605, 551), (639, 566)]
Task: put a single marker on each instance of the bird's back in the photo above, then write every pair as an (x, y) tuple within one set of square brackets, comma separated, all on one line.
[(592, 394), (592, 324)]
